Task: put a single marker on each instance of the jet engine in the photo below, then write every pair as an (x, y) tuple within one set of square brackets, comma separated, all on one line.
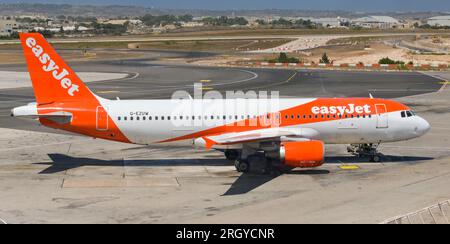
[(306, 154)]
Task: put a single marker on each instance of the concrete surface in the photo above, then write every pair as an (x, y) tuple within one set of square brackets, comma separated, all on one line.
[(12, 79), (62, 178)]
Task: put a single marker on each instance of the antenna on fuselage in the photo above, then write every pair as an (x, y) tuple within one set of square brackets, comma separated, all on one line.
[(370, 95)]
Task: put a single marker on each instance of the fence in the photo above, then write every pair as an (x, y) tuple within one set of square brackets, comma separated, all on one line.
[(422, 67), (436, 214)]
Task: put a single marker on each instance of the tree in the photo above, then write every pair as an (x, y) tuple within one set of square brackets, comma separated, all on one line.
[(283, 58), (387, 60), (325, 59)]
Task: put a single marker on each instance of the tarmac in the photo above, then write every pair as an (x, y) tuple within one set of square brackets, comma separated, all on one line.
[(52, 177)]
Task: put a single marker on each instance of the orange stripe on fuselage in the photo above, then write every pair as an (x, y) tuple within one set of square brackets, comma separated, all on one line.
[(305, 109)]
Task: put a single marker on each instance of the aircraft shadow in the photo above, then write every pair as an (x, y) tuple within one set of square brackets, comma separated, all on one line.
[(386, 159), (245, 183), (248, 182), (61, 162)]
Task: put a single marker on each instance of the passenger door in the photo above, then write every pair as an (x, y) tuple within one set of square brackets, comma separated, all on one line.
[(102, 119), (382, 116)]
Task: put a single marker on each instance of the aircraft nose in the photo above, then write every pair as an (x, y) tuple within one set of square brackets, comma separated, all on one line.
[(422, 126)]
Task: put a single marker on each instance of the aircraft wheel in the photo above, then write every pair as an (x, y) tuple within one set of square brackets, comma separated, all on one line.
[(376, 159), (232, 154), (242, 166)]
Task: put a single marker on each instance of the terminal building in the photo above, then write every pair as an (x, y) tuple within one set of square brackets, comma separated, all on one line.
[(439, 21), (7, 27)]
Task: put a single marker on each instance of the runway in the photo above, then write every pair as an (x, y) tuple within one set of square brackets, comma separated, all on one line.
[(73, 179)]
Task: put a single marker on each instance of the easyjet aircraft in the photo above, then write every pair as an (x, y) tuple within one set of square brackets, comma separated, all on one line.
[(294, 136)]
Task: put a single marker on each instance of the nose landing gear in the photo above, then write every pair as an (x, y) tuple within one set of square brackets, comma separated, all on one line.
[(366, 150)]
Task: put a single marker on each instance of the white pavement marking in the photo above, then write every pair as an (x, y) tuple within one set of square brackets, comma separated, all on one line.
[(135, 75)]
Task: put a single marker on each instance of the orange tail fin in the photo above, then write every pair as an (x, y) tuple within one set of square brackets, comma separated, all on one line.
[(52, 78)]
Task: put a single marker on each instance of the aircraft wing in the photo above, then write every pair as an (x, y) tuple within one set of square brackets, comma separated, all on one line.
[(271, 134)]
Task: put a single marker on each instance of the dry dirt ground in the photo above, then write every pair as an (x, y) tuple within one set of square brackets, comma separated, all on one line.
[(14, 56)]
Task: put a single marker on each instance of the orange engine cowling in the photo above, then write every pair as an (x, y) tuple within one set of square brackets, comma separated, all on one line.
[(308, 154)]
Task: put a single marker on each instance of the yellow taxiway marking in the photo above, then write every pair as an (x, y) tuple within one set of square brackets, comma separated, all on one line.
[(206, 88), (292, 77), (205, 81), (443, 83), (106, 92), (349, 167)]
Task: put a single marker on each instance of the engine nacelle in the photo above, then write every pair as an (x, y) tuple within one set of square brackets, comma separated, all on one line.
[(307, 154)]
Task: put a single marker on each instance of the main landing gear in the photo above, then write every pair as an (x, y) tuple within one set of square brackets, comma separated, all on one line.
[(254, 161), (257, 163), (366, 150)]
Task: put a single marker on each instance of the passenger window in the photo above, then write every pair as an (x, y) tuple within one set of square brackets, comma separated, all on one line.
[(125, 118), (119, 118), (144, 118), (150, 118), (131, 118), (138, 118), (156, 118)]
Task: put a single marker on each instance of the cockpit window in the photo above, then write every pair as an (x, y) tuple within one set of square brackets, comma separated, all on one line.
[(408, 114)]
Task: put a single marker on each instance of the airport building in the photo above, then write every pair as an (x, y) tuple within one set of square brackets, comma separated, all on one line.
[(330, 22), (7, 27), (377, 22), (439, 21)]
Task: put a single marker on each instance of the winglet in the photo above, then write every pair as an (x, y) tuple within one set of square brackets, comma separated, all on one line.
[(204, 142), (209, 143)]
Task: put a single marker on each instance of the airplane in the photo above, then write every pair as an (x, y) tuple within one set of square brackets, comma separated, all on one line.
[(296, 139)]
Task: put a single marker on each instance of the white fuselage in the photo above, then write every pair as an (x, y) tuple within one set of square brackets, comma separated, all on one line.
[(150, 121)]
